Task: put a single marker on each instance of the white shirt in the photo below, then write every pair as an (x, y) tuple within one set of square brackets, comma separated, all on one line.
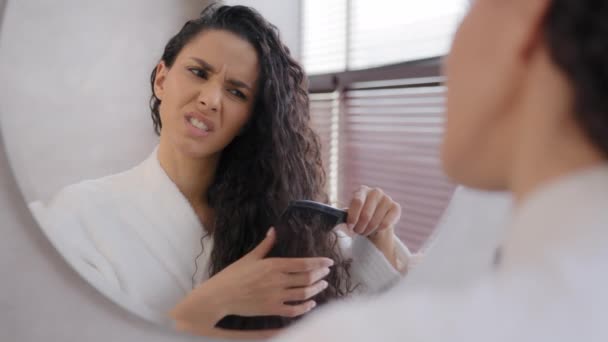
[(464, 245), (135, 237), (550, 286)]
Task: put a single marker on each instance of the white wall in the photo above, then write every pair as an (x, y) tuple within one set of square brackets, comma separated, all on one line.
[(284, 14), (75, 82)]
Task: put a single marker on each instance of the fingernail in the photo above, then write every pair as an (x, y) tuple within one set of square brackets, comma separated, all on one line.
[(313, 304), (330, 262), (270, 231), (324, 284), (351, 227), (326, 271)]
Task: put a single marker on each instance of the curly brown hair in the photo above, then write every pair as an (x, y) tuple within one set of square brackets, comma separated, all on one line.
[(275, 160), (298, 233)]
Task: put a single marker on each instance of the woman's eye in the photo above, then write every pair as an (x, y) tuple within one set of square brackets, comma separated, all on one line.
[(199, 72), (237, 93)]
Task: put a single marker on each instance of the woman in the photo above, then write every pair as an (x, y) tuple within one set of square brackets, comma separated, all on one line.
[(527, 112), (231, 108)]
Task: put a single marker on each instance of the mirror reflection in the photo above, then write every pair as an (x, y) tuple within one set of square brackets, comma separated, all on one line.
[(181, 213)]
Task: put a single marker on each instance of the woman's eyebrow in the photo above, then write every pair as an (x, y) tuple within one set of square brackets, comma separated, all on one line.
[(204, 64), (210, 68), (239, 84)]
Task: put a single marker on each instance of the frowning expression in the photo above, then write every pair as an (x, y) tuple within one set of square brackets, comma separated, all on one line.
[(208, 94)]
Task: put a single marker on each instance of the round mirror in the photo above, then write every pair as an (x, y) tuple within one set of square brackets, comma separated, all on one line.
[(156, 147)]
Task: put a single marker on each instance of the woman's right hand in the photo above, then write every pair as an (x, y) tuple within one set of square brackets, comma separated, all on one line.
[(253, 286)]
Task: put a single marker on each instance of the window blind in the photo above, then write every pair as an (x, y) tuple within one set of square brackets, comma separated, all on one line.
[(389, 31), (390, 137), (324, 35), (324, 115), (340, 35)]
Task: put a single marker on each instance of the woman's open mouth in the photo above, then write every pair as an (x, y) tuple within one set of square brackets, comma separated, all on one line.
[(198, 126)]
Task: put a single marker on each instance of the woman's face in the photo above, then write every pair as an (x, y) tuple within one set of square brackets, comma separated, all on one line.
[(207, 95), (483, 77)]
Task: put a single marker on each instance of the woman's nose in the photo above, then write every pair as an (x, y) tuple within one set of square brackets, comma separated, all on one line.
[(210, 97)]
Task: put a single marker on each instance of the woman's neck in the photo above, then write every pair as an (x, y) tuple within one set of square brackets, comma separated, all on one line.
[(192, 176), (550, 143), (535, 170)]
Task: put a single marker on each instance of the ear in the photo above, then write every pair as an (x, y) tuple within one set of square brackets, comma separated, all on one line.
[(159, 80), (528, 20)]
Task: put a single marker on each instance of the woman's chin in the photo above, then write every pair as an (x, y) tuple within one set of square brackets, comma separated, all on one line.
[(194, 149)]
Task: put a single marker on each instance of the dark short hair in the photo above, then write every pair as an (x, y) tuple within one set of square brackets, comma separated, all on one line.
[(576, 32)]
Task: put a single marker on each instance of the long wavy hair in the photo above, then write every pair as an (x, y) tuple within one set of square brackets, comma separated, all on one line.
[(275, 160)]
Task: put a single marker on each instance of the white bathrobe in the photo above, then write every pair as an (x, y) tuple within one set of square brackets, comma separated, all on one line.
[(135, 238), (550, 285)]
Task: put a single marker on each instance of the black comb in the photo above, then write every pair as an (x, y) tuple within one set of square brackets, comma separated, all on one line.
[(335, 215)]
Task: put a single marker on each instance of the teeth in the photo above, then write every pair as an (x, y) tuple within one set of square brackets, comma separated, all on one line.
[(199, 124)]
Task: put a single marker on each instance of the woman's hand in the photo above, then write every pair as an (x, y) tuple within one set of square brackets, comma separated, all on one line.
[(253, 286), (371, 211), (373, 214)]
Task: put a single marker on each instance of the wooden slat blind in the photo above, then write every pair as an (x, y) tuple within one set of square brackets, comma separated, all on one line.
[(339, 35), (388, 31), (390, 136), (324, 35), (323, 115)]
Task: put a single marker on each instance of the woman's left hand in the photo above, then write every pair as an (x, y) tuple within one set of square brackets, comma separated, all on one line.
[(371, 212)]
